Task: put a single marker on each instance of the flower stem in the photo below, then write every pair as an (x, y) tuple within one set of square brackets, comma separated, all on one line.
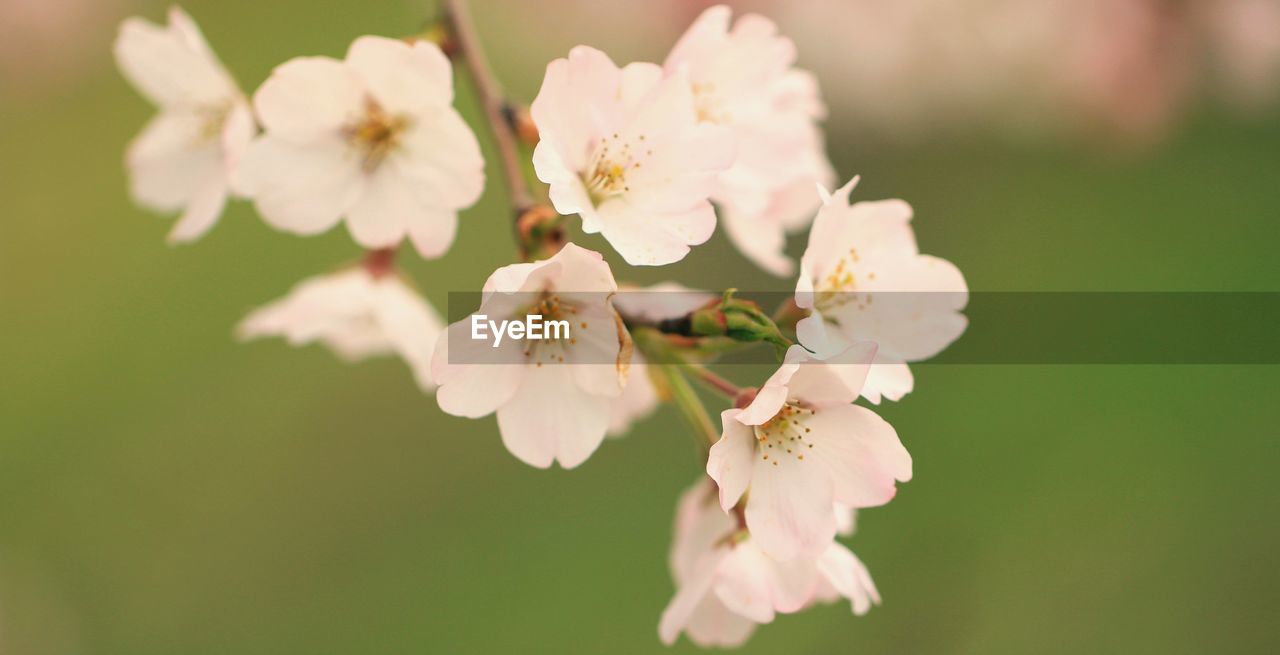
[(498, 113), (691, 407), (711, 380)]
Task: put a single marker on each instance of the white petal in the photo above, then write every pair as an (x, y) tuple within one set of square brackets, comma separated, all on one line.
[(202, 211), (835, 380), (441, 156), (432, 231), (714, 625), (730, 460), (849, 576), (172, 160), (412, 326), (744, 584), (861, 452), (888, 378), (474, 382), (692, 593), (550, 419), (789, 507), (172, 66), (760, 239), (403, 78), (579, 101), (303, 189), (380, 218), (309, 98), (648, 239)]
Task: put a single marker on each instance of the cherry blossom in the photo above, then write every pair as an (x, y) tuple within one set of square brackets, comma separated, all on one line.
[(623, 149), (864, 278), (373, 138), (552, 397), (800, 446), (743, 78), (726, 584), (357, 314), (183, 159)]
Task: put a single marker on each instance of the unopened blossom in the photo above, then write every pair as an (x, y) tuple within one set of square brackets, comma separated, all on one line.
[(357, 313), (552, 396), (623, 149), (373, 138), (726, 584), (743, 78), (665, 300), (864, 279), (184, 158), (801, 446)]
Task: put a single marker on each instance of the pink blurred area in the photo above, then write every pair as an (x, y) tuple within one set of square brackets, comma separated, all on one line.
[(46, 45), (906, 69)]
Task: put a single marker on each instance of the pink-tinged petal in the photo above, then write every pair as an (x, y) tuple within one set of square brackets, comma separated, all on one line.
[(774, 393), (380, 218), (237, 133), (411, 325), (172, 66), (638, 400), (714, 625), (551, 419), (706, 32), (202, 211), (432, 231), (578, 102), (850, 578), (583, 270), (744, 584), (170, 162), (647, 239), (762, 240), (700, 527), (309, 98), (567, 193), (861, 452), (793, 582), (402, 78), (597, 339), (835, 380), (730, 460), (846, 519), (441, 157), (303, 189), (692, 593), (475, 381), (789, 508), (888, 378)]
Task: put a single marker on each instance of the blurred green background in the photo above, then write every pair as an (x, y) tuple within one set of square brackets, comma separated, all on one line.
[(165, 490)]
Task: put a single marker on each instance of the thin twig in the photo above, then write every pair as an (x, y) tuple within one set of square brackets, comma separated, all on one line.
[(496, 109), (715, 382), (691, 407)]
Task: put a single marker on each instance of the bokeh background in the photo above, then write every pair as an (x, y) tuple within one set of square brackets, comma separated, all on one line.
[(164, 490)]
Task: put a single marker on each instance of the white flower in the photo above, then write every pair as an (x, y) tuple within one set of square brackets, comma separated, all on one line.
[(623, 149), (726, 584), (801, 446), (373, 138), (743, 78), (865, 280), (183, 159), (661, 301), (357, 314), (552, 396)]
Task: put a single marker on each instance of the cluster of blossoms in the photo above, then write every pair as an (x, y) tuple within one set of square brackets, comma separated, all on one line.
[(648, 156)]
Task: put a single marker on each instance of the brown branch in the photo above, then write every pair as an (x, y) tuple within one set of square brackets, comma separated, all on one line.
[(498, 113)]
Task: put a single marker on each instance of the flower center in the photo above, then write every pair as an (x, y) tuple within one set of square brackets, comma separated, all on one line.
[(785, 434), (551, 349), (613, 158), (375, 135), (709, 106), (837, 287), (212, 119)]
